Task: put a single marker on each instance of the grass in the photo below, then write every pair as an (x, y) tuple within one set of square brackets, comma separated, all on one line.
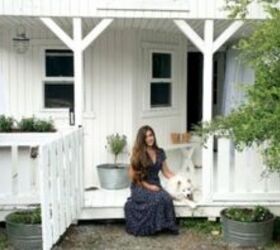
[(201, 225), (3, 240)]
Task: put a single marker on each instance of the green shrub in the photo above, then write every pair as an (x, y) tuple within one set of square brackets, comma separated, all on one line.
[(26, 124), (256, 214), (116, 143), (6, 123), (44, 126), (33, 124), (26, 217)]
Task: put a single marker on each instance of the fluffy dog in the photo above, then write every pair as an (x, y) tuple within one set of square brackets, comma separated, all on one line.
[(181, 189)]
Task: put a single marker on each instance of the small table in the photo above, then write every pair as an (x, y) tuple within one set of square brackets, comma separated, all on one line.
[(187, 150)]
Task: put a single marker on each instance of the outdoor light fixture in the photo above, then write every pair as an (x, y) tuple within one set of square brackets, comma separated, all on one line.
[(21, 42), (71, 116)]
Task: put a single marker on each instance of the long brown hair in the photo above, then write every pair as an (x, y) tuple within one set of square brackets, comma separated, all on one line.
[(140, 160)]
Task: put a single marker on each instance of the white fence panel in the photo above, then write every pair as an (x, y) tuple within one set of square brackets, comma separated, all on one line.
[(61, 175), (18, 179)]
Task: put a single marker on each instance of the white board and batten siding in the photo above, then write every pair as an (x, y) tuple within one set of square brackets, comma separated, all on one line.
[(112, 84), (120, 8), (162, 120)]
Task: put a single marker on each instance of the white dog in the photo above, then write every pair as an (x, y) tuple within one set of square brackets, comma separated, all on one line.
[(181, 189)]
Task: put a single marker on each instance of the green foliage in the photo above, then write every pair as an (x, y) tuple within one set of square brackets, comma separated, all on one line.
[(3, 241), (6, 123), (26, 124), (257, 214), (239, 8), (257, 120), (201, 225), (26, 217), (44, 126), (33, 124), (116, 143)]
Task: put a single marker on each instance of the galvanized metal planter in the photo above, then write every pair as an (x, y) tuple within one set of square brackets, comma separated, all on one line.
[(247, 234), (24, 236), (112, 176)]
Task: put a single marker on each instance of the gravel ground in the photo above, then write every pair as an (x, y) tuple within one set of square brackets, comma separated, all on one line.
[(111, 235)]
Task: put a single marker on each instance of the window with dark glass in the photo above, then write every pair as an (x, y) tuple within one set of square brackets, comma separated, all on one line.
[(161, 65), (160, 94), (161, 80), (58, 95), (59, 63), (58, 85)]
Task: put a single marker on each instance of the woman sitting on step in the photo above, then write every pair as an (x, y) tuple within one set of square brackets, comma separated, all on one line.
[(150, 208)]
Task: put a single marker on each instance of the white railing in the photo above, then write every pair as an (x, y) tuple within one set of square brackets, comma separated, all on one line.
[(238, 176), (19, 173), (61, 184)]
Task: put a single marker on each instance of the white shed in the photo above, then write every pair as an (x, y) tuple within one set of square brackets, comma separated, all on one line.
[(104, 54)]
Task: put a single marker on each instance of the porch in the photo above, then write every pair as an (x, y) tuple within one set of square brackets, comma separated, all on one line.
[(102, 107), (107, 45)]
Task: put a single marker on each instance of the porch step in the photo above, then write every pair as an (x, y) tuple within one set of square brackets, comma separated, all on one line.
[(108, 204)]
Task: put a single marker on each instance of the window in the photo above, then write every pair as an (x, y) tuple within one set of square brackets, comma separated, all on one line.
[(58, 95), (161, 80), (58, 80), (161, 65), (160, 94)]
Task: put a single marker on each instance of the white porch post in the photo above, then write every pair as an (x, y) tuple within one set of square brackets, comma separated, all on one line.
[(78, 71), (208, 47), (207, 153), (78, 44)]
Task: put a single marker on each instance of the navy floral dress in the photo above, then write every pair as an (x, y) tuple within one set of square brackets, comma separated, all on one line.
[(148, 212)]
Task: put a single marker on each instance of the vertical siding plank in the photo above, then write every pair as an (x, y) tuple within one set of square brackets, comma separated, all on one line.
[(223, 166), (15, 169), (44, 190), (53, 190), (6, 177)]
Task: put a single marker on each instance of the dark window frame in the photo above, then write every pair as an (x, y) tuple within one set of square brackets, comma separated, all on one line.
[(168, 97), (59, 79), (161, 80)]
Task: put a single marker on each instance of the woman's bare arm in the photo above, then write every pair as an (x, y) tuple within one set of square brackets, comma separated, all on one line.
[(166, 170)]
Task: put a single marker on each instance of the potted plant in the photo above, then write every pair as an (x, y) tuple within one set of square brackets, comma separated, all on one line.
[(114, 176), (25, 125), (24, 229), (247, 226)]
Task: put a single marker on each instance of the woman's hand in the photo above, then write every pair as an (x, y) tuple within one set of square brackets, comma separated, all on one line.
[(150, 187)]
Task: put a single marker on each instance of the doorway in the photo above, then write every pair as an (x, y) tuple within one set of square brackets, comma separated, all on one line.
[(195, 86)]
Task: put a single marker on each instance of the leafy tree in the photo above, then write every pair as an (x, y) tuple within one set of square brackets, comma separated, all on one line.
[(257, 121)]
